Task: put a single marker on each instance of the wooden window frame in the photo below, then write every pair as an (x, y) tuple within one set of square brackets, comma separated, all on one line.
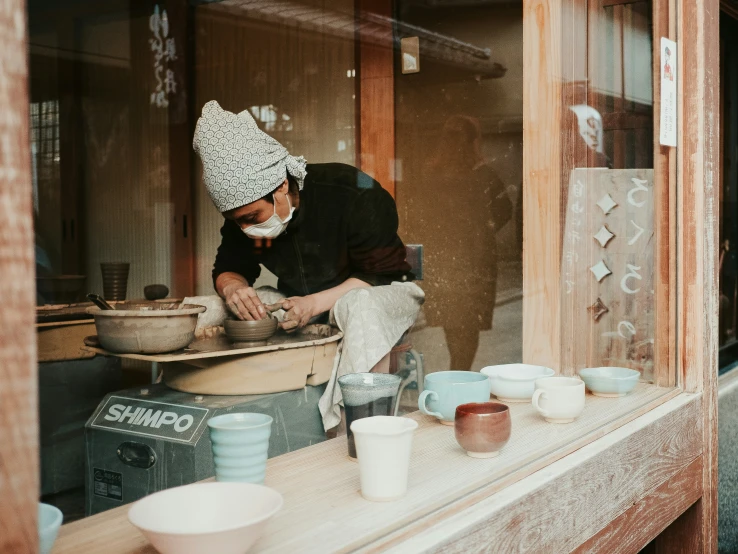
[(691, 328), (687, 181)]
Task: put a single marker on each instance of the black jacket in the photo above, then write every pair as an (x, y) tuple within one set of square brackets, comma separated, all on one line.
[(345, 226)]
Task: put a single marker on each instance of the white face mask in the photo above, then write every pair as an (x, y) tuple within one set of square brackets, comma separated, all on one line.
[(272, 227)]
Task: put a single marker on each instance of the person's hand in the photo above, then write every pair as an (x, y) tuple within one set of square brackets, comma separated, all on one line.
[(243, 302), (299, 311)]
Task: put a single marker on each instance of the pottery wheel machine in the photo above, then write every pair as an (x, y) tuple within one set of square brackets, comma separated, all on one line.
[(145, 439)]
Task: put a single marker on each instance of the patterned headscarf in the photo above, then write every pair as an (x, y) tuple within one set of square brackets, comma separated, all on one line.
[(241, 163)]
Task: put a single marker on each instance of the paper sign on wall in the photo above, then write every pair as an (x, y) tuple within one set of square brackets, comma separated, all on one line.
[(668, 92)]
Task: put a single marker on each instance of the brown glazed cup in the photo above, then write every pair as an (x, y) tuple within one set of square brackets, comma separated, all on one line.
[(482, 428)]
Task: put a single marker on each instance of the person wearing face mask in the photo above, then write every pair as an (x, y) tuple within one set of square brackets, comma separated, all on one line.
[(322, 229)]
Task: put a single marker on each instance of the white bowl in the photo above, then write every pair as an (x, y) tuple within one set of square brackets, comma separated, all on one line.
[(610, 382), (515, 382), (206, 518)]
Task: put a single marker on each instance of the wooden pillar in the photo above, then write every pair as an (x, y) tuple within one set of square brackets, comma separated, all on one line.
[(181, 129), (71, 141), (664, 165), (542, 223), (375, 94), (19, 472), (699, 180)]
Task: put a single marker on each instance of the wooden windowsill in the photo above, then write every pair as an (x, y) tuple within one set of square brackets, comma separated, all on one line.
[(324, 512)]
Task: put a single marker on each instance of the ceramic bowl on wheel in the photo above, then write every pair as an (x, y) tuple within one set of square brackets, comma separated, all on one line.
[(250, 331), (610, 381), (515, 382), (146, 329), (206, 518)]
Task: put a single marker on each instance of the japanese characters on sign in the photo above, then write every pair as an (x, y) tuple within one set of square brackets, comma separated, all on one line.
[(607, 269), (165, 51)]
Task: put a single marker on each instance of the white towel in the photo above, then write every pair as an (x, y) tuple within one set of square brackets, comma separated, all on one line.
[(373, 319)]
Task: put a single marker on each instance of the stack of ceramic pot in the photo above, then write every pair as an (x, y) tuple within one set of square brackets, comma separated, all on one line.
[(115, 280)]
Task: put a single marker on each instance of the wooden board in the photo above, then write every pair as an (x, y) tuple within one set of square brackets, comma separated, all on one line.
[(19, 461), (324, 511), (607, 297), (631, 531), (63, 341), (220, 346)]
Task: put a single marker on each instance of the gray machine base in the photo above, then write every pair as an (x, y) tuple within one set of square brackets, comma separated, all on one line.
[(126, 461)]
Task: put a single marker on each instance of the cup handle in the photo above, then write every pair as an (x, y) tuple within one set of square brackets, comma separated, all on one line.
[(534, 400), (421, 403)]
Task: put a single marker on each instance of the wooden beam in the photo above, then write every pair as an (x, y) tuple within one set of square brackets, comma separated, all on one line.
[(542, 225), (19, 486), (665, 232), (682, 536), (375, 96), (698, 170), (648, 517), (181, 129)]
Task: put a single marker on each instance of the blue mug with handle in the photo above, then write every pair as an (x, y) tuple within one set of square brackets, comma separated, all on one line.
[(446, 390)]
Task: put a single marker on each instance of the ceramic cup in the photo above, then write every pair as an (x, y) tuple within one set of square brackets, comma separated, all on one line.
[(367, 395), (482, 428), (446, 390), (383, 445), (115, 280), (240, 444), (559, 399), (49, 520)]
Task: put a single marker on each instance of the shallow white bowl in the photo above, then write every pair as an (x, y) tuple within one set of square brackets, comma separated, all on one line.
[(610, 382), (206, 518), (515, 382)]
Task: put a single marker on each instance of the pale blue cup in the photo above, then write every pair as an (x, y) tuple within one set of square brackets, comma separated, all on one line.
[(446, 390), (240, 444), (49, 520)]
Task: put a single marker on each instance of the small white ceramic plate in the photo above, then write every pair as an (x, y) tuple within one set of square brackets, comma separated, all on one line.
[(205, 518)]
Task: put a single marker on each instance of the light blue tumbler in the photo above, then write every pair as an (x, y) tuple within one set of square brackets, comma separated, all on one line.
[(240, 446)]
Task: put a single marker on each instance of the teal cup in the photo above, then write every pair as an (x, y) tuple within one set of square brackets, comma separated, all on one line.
[(240, 444), (446, 390), (49, 520)]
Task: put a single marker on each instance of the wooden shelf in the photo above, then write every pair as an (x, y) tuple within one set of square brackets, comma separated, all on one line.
[(324, 512)]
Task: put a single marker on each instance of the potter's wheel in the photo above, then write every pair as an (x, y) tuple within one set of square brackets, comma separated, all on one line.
[(281, 363), (310, 334)]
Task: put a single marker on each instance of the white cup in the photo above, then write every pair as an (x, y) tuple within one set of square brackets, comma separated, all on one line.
[(559, 399), (383, 445)]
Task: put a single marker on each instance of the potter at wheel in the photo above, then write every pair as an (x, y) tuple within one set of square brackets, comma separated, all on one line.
[(328, 232)]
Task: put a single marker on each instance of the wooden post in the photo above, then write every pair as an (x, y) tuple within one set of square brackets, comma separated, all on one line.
[(698, 170), (375, 92), (541, 187), (181, 129), (18, 390)]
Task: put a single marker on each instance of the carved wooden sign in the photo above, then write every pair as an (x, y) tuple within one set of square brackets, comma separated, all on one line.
[(607, 268)]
